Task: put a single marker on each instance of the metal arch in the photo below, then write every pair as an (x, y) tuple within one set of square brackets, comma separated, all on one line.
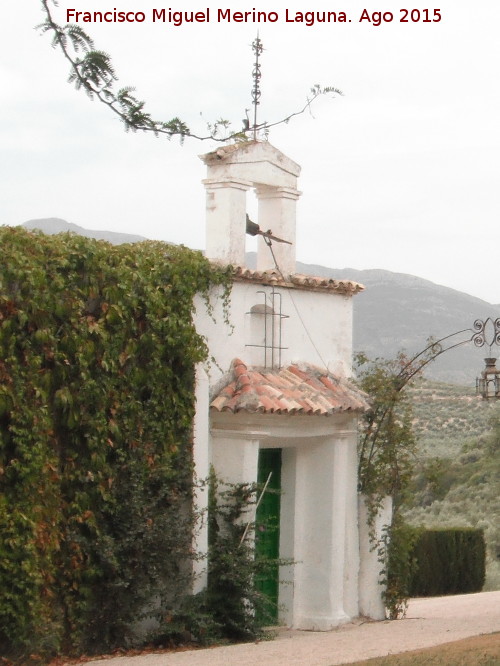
[(486, 332)]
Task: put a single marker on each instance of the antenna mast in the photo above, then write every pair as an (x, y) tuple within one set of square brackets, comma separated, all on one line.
[(257, 49)]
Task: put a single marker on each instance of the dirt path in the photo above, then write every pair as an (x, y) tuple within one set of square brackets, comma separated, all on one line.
[(429, 622)]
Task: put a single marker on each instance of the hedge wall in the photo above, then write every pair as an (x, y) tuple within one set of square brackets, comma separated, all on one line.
[(97, 356), (448, 561)]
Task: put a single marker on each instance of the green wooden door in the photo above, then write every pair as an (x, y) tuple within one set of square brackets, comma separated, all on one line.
[(267, 530)]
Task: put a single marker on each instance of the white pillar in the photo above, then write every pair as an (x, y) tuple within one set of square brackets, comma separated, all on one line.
[(277, 212), (235, 458), (201, 462), (226, 220), (287, 535), (351, 577), (321, 503), (340, 495), (235, 455), (371, 603)]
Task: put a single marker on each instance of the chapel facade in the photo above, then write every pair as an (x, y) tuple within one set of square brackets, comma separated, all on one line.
[(277, 404)]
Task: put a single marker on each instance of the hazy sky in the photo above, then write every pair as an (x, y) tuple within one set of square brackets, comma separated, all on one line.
[(400, 173)]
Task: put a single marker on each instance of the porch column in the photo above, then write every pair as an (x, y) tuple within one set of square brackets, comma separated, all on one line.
[(235, 457), (201, 462), (371, 603), (320, 519), (325, 533), (341, 477), (352, 555)]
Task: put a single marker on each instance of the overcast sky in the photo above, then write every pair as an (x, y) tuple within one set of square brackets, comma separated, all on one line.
[(400, 173)]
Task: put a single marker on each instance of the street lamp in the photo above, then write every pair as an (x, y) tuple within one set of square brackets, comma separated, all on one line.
[(488, 384), (487, 332)]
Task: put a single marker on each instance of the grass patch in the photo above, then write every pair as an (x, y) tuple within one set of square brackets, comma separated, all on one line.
[(475, 651)]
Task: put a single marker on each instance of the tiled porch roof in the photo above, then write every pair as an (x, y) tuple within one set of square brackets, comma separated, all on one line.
[(303, 389)]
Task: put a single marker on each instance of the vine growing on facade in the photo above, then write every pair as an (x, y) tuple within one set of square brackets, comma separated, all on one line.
[(97, 356)]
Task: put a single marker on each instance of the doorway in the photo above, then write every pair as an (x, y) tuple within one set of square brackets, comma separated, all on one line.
[(267, 530)]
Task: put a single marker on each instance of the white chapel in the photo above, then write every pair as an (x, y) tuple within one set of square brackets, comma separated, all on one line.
[(277, 403)]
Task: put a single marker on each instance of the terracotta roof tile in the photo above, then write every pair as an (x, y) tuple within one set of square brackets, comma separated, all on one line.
[(293, 390), (297, 280)]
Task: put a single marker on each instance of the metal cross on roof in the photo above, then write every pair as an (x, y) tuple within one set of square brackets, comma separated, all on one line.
[(257, 49)]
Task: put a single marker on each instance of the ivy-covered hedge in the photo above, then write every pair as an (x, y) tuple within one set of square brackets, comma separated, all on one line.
[(97, 356), (448, 561)]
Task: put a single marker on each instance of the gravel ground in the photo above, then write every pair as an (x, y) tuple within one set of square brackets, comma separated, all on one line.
[(428, 622)]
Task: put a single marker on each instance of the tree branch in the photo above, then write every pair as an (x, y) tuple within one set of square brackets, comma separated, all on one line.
[(95, 74)]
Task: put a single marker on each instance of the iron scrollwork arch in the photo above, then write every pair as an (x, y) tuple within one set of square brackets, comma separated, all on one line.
[(486, 332)]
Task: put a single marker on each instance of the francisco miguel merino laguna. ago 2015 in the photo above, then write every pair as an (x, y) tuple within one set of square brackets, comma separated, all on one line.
[(308, 18)]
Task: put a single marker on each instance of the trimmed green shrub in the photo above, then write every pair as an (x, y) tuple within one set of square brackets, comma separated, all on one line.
[(449, 561)]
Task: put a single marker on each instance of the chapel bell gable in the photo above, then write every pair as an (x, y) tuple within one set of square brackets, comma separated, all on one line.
[(231, 172)]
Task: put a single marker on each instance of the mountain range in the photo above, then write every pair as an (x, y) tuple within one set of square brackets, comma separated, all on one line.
[(395, 312), (55, 225), (401, 312)]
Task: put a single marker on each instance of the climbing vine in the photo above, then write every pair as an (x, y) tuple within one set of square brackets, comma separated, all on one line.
[(386, 454), (97, 357), (387, 442)]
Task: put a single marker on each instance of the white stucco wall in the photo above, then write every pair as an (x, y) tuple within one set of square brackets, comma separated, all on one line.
[(318, 328)]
